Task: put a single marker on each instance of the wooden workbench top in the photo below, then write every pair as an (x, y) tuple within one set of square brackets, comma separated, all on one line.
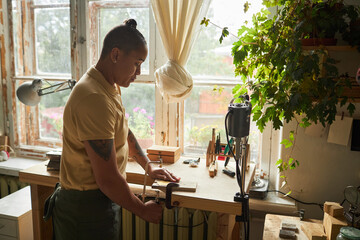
[(212, 194)]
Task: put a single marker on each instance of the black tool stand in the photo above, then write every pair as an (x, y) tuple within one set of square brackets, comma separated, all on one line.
[(244, 205), (169, 189)]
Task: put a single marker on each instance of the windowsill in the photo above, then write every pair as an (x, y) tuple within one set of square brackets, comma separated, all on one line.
[(14, 165), (274, 203)]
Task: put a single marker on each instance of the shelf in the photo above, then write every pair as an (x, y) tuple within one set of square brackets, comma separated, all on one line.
[(345, 48)]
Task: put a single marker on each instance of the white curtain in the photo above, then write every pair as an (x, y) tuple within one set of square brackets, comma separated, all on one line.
[(178, 22)]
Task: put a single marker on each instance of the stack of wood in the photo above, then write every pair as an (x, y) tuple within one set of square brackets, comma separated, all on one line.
[(333, 220)]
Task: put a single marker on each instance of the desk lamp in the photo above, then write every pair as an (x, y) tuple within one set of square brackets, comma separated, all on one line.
[(237, 125), (30, 93)]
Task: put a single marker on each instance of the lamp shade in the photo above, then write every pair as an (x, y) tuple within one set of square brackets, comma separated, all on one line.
[(28, 93)]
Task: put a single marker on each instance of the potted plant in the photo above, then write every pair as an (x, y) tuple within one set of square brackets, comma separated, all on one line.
[(285, 80), (321, 20)]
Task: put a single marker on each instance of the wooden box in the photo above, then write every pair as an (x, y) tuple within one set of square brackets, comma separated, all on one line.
[(167, 154)]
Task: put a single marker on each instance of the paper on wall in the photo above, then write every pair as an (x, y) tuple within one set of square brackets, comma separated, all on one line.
[(340, 129)]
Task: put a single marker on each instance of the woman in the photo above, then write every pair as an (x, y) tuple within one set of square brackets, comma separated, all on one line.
[(97, 144)]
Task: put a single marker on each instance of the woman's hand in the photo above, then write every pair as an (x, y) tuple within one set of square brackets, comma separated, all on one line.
[(152, 212), (162, 174)]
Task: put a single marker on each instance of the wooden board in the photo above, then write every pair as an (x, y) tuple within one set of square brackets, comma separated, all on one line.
[(314, 231), (163, 150), (183, 187), (334, 209), (332, 225)]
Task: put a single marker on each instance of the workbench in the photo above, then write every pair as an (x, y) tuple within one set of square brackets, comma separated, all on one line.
[(212, 194)]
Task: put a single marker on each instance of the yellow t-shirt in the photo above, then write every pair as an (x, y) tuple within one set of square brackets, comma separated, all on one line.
[(94, 111)]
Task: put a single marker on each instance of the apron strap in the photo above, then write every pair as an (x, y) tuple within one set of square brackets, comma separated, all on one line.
[(50, 203)]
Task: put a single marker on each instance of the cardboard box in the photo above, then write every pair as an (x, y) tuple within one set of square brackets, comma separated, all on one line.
[(167, 154)]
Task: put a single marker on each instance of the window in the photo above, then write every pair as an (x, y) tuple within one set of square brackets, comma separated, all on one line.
[(44, 47), (139, 98), (210, 64), (41, 36), (105, 15)]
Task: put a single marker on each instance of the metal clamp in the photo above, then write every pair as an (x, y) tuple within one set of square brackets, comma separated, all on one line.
[(169, 189)]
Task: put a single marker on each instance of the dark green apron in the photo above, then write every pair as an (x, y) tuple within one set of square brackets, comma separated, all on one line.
[(83, 215)]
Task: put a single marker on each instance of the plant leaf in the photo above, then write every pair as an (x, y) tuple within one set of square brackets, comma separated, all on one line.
[(246, 6), (291, 136), (205, 21), (287, 194), (351, 108)]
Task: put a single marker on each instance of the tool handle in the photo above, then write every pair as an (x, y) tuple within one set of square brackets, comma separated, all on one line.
[(229, 172)]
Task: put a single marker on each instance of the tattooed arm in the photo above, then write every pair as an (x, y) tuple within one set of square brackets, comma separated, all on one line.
[(138, 155), (113, 184)]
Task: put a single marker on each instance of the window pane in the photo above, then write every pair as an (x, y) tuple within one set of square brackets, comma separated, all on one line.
[(38, 2), (206, 109), (209, 57), (51, 110), (139, 102), (111, 17), (52, 33)]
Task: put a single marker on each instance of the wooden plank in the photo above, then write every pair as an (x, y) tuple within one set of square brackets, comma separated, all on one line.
[(332, 225), (334, 209), (314, 231), (42, 229), (249, 177), (183, 186)]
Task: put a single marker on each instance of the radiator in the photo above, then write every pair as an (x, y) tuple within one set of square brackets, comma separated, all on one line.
[(180, 224), (9, 184)]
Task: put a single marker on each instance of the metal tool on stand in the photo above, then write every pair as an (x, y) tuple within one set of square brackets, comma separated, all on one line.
[(237, 125)]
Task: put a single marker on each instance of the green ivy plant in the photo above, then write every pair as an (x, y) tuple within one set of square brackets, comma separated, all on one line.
[(284, 80)]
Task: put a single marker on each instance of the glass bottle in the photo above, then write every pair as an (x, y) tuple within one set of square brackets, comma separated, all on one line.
[(348, 233)]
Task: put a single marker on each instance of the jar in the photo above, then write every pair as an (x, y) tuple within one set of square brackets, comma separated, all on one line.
[(348, 233)]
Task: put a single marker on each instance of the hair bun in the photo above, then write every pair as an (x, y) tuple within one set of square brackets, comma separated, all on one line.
[(130, 23)]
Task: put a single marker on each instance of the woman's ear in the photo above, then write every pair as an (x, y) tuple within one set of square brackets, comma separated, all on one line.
[(115, 55)]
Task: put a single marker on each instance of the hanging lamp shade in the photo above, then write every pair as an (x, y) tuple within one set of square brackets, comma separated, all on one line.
[(28, 93)]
